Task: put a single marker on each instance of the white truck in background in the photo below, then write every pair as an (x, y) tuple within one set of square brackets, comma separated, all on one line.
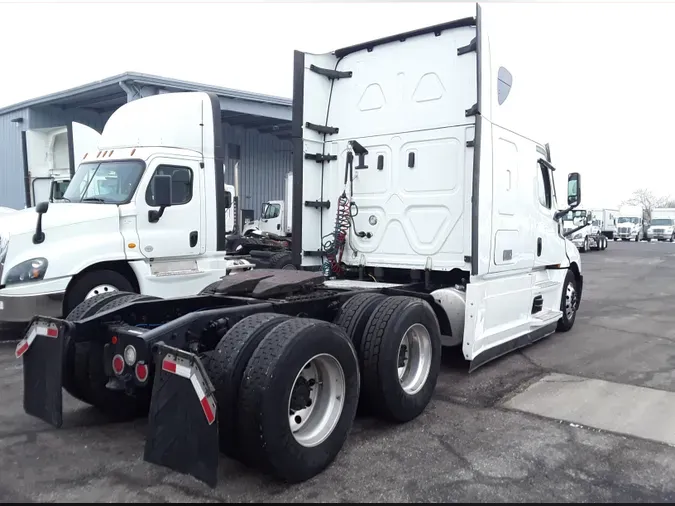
[(276, 216), (630, 224), (584, 230), (662, 224), (50, 156), (108, 232), (606, 220)]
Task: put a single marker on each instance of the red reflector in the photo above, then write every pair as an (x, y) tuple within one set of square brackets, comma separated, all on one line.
[(141, 372), (210, 415), (52, 332), (169, 366), (21, 348), (118, 364)]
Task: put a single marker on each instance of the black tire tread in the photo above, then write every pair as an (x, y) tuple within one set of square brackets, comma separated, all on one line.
[(357, 307), (210, 289), (371, 347), (225, 370)]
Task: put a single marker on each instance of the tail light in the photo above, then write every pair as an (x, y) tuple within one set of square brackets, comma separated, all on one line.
[(118, 364)]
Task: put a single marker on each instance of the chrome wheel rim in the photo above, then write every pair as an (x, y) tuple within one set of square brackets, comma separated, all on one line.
[(97, 290), (570, 301), (414, 358), (316, 400)]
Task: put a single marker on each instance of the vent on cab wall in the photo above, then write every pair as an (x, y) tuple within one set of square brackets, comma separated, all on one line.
[(537, 304)]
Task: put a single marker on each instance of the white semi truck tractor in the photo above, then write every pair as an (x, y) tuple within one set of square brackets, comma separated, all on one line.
[(631, 224), (423, 217), (584, 230), (662, 224)]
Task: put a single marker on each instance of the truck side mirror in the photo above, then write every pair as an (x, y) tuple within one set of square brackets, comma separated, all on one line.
[(39, 236), (573, 189), (228, 200), (161, 189)]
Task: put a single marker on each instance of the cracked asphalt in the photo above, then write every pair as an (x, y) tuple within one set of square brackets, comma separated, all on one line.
[(467, 446)]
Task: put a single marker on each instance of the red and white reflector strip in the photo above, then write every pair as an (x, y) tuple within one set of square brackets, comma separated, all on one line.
[(171, 365), (37, 329)]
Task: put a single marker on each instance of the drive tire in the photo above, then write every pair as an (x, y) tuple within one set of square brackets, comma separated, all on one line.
[(75, 364), (88, 281), (567, 322), (281, 260), (381, 388), (114, 403), (355, 313), (226, 370), (265, 398)]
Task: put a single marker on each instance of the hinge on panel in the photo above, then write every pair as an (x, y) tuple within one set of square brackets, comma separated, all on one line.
[(322, 129), (330, 74), (318, 204), (471, 112), (467, 49), (467, 259), (320, 157), (471, 144)]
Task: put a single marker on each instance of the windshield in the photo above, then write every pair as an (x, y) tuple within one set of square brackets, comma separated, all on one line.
[(667, 222), (270, 211), (626, 219), (105, 182)]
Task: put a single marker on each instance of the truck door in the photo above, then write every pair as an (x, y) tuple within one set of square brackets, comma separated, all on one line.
[(550, 248), (179, 232)]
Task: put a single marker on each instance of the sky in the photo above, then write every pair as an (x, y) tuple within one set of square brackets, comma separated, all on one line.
[(599, 74)]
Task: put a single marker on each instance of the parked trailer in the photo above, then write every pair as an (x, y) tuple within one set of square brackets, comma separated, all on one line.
[(269, 366)]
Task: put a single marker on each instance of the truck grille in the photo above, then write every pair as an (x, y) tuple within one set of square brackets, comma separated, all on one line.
[(658, 230), (624, 230)]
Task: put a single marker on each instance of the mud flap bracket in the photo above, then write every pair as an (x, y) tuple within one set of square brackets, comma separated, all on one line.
[(182, 423)]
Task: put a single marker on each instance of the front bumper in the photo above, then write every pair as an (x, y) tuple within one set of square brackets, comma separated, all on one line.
[(22, 308), (624, 235)]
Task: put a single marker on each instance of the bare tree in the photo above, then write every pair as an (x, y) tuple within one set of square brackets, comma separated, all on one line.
[(647, 200)]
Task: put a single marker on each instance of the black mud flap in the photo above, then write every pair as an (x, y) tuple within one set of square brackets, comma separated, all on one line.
[(182, 425), (42, 351)]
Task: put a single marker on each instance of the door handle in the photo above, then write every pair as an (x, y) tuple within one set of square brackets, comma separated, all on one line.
[(538, 246), (194, 235)]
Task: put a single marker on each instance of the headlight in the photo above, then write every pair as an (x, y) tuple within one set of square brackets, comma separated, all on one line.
[(4, 246), (30, 270), (577, 236)]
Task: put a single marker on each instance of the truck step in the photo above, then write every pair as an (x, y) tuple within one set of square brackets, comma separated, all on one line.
[(545, 317)]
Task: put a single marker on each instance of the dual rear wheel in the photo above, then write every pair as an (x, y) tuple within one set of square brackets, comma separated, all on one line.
[(288, 389)]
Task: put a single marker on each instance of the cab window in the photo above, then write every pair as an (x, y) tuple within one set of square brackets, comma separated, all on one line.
[(181, 184), (544, 186)]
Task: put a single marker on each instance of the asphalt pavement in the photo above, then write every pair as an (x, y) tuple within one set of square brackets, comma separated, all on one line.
[(580, 416)]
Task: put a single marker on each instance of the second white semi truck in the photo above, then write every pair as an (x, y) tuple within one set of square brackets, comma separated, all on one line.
[(662, 224), (631, 224)]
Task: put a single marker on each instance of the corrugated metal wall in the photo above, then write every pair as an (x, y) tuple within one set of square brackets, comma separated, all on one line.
[(11, 160), (265, 161)]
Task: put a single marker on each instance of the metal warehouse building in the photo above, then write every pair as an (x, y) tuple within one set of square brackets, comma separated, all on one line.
[(256, 129)]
